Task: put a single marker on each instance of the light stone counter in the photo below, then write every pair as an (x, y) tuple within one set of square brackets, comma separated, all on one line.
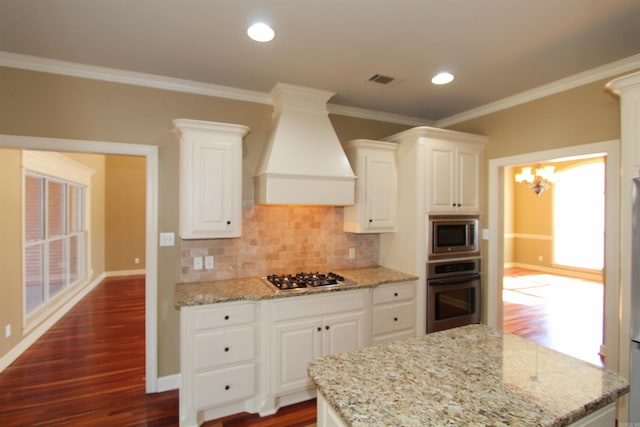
[(253, 288), (468, 376)]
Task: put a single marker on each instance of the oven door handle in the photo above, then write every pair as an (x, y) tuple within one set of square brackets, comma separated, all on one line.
[(453, 280)]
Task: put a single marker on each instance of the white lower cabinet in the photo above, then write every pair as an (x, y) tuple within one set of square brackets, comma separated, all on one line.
[(218, 360), (394, 312), (303, 328), (252, 356)]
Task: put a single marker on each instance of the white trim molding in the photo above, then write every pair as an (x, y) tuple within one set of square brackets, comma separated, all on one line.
[(46, 65)]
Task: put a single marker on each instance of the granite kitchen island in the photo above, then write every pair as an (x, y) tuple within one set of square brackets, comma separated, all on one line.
[(468, 376)]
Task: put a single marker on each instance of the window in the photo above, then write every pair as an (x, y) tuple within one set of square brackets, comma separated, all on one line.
[(579, 217), (55, 236)]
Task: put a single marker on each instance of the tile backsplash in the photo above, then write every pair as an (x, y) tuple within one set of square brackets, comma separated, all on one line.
[(281, 239)]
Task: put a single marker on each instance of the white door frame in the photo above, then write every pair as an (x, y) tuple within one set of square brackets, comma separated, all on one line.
[(150, 153), (611, 274)]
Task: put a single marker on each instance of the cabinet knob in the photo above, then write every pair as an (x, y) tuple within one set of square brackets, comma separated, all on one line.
[(395, 294), (395, 319), (319, 328), (227, 387), (228, 222), (226, 317), (327, 327), (370, 220), (226, 349), (453, 204), (459, 205)]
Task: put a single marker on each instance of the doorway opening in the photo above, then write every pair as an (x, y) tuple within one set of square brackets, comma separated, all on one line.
[(150, 154), (501, 183), (553, 285)]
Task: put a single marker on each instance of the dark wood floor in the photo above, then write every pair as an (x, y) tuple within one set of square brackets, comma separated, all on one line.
[(88, 369), (562, 313)]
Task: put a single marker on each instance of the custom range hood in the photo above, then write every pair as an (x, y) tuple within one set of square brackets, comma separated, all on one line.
[(303, 162)]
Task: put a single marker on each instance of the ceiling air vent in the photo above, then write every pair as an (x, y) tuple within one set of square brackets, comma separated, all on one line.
[(382, 79)]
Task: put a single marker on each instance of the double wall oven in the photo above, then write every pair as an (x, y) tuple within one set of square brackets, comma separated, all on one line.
[(453, 272)]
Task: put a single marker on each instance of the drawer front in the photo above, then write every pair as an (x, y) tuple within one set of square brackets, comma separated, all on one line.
[(225, 315), (225, 385), (391, 293), (394, 317), (318, 305), (216, 349)]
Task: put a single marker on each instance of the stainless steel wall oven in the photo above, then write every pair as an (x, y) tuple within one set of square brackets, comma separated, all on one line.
[(453, 293)]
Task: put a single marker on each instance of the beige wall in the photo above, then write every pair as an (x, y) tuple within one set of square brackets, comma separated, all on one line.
[(125, 211), (48, 105)]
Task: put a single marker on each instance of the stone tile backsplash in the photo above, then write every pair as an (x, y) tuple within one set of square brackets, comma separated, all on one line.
[(281, 239)]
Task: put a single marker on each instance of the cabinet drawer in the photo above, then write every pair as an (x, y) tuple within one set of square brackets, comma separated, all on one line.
[(225, 315), (394, 317), (391, 293), (225, 385), (318, 305), (215, 349)]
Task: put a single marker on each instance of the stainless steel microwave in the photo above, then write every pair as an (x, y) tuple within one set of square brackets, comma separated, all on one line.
[(453, 236)]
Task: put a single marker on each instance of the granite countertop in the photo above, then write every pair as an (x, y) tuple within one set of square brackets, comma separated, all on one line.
[(253, 288), (472, 375)]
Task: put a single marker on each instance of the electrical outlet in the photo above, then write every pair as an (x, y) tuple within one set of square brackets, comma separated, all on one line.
[(540, 258), (208, 262), (197, 263), (7, 330), (352, 253), (136, 260)]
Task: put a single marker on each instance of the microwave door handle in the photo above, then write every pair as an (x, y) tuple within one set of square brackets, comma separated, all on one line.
[(453, 280)]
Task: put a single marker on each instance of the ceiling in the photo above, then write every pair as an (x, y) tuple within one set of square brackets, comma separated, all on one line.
[(495, 48)]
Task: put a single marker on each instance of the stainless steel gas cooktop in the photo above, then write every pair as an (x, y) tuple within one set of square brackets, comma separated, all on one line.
[(302, 281)]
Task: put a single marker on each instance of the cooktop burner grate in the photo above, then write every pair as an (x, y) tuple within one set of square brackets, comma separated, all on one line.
[(304, 280)]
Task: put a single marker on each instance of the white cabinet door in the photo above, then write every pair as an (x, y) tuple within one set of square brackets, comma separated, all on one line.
[(210, 179), (342, 333), (468, 176), (453, 177), (296, 343), (375, 207)]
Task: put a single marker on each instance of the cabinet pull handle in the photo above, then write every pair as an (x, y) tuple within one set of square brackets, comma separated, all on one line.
[(227, 387), (395, 319), (228, 222), (226, 349), (327, 327), (226, 317)]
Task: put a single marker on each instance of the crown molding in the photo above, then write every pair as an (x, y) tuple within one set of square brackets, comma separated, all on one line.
[(361, 113), (34, 63), (609, 70), (55, 66)]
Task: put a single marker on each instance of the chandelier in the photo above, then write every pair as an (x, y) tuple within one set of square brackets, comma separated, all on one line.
[(538, 181)]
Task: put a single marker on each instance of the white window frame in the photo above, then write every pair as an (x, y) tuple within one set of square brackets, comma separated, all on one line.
[(56, 167)]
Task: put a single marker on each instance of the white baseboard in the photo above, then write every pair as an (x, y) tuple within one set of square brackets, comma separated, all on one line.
[(170, 382), (43, 327), (560, 271), (125, 273)]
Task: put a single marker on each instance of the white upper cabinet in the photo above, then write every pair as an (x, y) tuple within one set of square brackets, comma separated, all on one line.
[(210, 178), (375, 208), (453, 177)]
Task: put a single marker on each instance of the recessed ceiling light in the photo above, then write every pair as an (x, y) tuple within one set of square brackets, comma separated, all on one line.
[(261, 32), (442, 78)]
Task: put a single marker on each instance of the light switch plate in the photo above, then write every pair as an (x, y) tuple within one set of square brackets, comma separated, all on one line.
[(485, 234), (197, 263), (167, 239), (208, 262)]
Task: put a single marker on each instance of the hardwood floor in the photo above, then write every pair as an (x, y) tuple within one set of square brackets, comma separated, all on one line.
[(563, 313), (88, 370)]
